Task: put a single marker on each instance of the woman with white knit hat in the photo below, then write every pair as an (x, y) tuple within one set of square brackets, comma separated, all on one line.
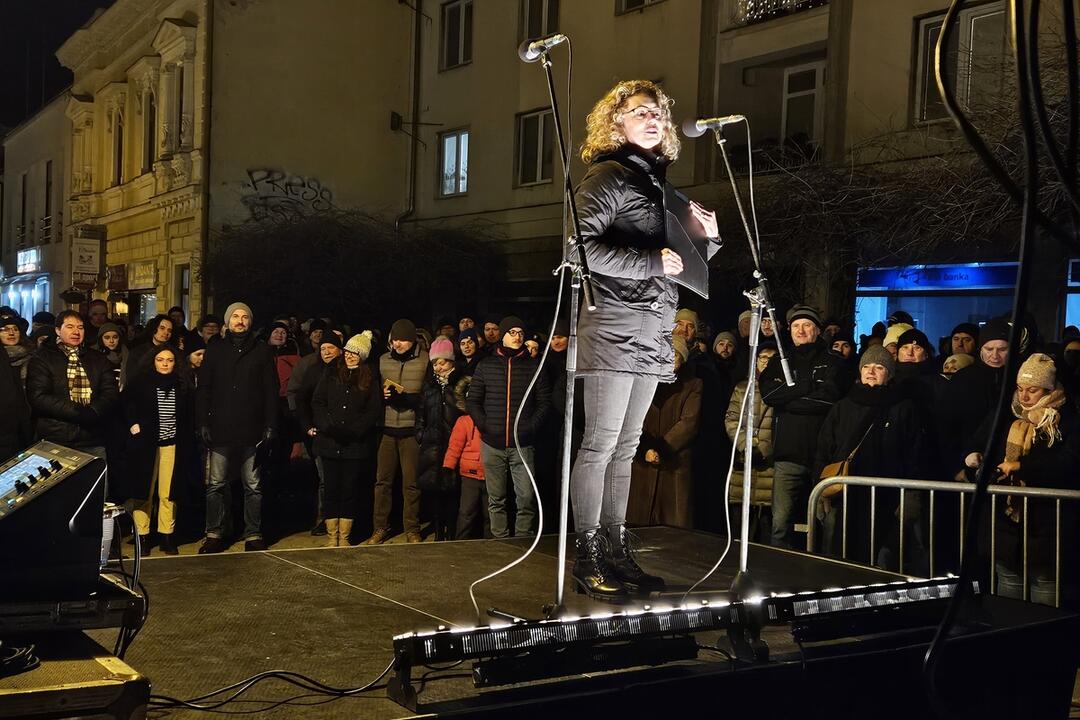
[(1040, 447), (347, 405)]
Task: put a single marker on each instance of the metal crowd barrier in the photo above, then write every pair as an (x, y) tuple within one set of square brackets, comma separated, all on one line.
[(932, 487)]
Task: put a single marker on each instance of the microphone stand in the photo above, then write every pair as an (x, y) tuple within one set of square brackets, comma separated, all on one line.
[(580, 281), (745, 642)]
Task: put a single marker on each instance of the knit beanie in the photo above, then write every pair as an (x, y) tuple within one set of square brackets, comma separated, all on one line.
[(969, 328), (562, 327), (877, 355), (918, 337), (686, 315), (892, 335), (804, 312), (900, 318), (996, 329), (745, 315), (194, 343), (239, 306), (359, 344), (681, 348), (469, 333), (441, 348), (6, 320), (510, 322), (403, 329), (316, 323), (107, 327), (1038, 370), (724, 336), (331, 338)]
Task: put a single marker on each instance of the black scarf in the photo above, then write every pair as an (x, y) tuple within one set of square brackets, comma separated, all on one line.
[(876, 396)]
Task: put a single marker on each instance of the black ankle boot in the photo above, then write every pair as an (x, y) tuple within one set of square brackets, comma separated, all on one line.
[(593, 573), (168, 545), (627, 570)]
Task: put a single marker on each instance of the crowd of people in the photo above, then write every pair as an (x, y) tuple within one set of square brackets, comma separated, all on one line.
[(429, 421)]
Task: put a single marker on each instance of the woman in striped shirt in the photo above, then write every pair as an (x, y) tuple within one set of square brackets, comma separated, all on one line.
[(158, 409)]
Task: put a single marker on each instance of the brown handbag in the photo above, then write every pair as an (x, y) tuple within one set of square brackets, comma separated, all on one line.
[(840, 469)]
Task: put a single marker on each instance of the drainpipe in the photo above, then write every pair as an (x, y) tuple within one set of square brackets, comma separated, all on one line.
[(414, 140), (208, 84)]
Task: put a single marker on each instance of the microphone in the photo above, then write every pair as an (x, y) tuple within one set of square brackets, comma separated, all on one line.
[(697, 128), (531, 50)]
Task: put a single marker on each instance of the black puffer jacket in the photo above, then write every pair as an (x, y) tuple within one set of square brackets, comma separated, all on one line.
[(15, 417), (800, 409), (495, 395), (621, 205), (238, 391), (56, 417), (344, 416), (434, 422)]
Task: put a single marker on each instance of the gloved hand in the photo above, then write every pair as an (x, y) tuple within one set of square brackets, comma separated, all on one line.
[(204, 433), (397, 400)]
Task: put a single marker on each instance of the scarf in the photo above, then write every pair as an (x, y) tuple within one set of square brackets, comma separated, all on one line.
[(78, 381), (1041, 420)]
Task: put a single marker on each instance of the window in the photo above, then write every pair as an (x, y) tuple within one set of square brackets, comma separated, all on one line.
[(183, 288), (975, 59), (456, 44), (623, 6), (802, 116), (46, 220), (539, 18), (149, 131), (453, 163), (118, 147), (535, 147)]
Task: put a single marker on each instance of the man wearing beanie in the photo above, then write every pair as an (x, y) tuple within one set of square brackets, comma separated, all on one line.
[(469, 347), (962, 339), (402, 369), (819, 382), (892, 336), (494, 400), (236, 408)]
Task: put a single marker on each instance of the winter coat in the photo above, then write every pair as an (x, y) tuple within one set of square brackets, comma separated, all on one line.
[(238, 392), (463, 452), (663, 494), (434, 423), (312, 362), (345, 417), (139, 361), (1048, 467), (140, 405), (400, 413), (762, 446), (19, 355), (15, 418), (922, 384), (56, 417), (623, 223), (302, 391), (800, 409), (495, 395), (964, 404), (285, 364)]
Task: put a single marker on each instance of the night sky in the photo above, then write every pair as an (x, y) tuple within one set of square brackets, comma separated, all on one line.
[(30, 33)]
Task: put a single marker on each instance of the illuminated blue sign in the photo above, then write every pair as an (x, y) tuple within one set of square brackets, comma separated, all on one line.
[(924, 278)]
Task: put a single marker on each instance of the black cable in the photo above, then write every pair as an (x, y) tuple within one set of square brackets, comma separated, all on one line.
[(983, 476), (298, 679), (15, 660)]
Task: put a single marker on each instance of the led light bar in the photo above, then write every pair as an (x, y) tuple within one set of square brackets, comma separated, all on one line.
[(785, 607)]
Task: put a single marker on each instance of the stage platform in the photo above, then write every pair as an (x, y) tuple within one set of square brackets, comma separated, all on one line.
[(332, 613)]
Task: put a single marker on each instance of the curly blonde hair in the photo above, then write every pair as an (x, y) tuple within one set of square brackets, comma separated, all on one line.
[(604, 132)]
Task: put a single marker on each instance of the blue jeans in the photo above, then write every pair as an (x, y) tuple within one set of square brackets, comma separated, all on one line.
[(1010, 584), (497, 465), (217, 505), (790, 493), (615, 407)]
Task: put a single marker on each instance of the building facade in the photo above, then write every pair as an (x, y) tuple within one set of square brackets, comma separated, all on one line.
[(137, 111), (35, 253)]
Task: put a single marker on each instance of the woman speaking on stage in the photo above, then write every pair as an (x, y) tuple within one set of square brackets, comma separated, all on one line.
[(624, 346)]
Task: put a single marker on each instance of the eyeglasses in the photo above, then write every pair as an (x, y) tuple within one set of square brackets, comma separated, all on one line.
[(516, 332), (643, 113)]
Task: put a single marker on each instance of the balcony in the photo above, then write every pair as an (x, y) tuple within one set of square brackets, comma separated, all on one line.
[(750, 12), (45, 226)]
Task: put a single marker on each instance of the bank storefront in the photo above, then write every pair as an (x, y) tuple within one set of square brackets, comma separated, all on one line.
[(29, 289)]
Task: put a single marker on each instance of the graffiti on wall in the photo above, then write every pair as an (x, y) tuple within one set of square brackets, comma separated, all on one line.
[(274, 194)]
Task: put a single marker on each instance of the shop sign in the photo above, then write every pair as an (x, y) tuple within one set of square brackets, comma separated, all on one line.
[(143, 275), (85, 257), (923, 278), (28, 261), (118, 278)]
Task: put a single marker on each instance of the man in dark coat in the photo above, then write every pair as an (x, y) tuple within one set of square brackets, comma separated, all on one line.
[(800, 410), (15, 419), (508, 369), (236, 409), (71, 390)]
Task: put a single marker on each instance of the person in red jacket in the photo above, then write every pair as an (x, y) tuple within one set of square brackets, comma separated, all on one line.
[(463, 455)]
